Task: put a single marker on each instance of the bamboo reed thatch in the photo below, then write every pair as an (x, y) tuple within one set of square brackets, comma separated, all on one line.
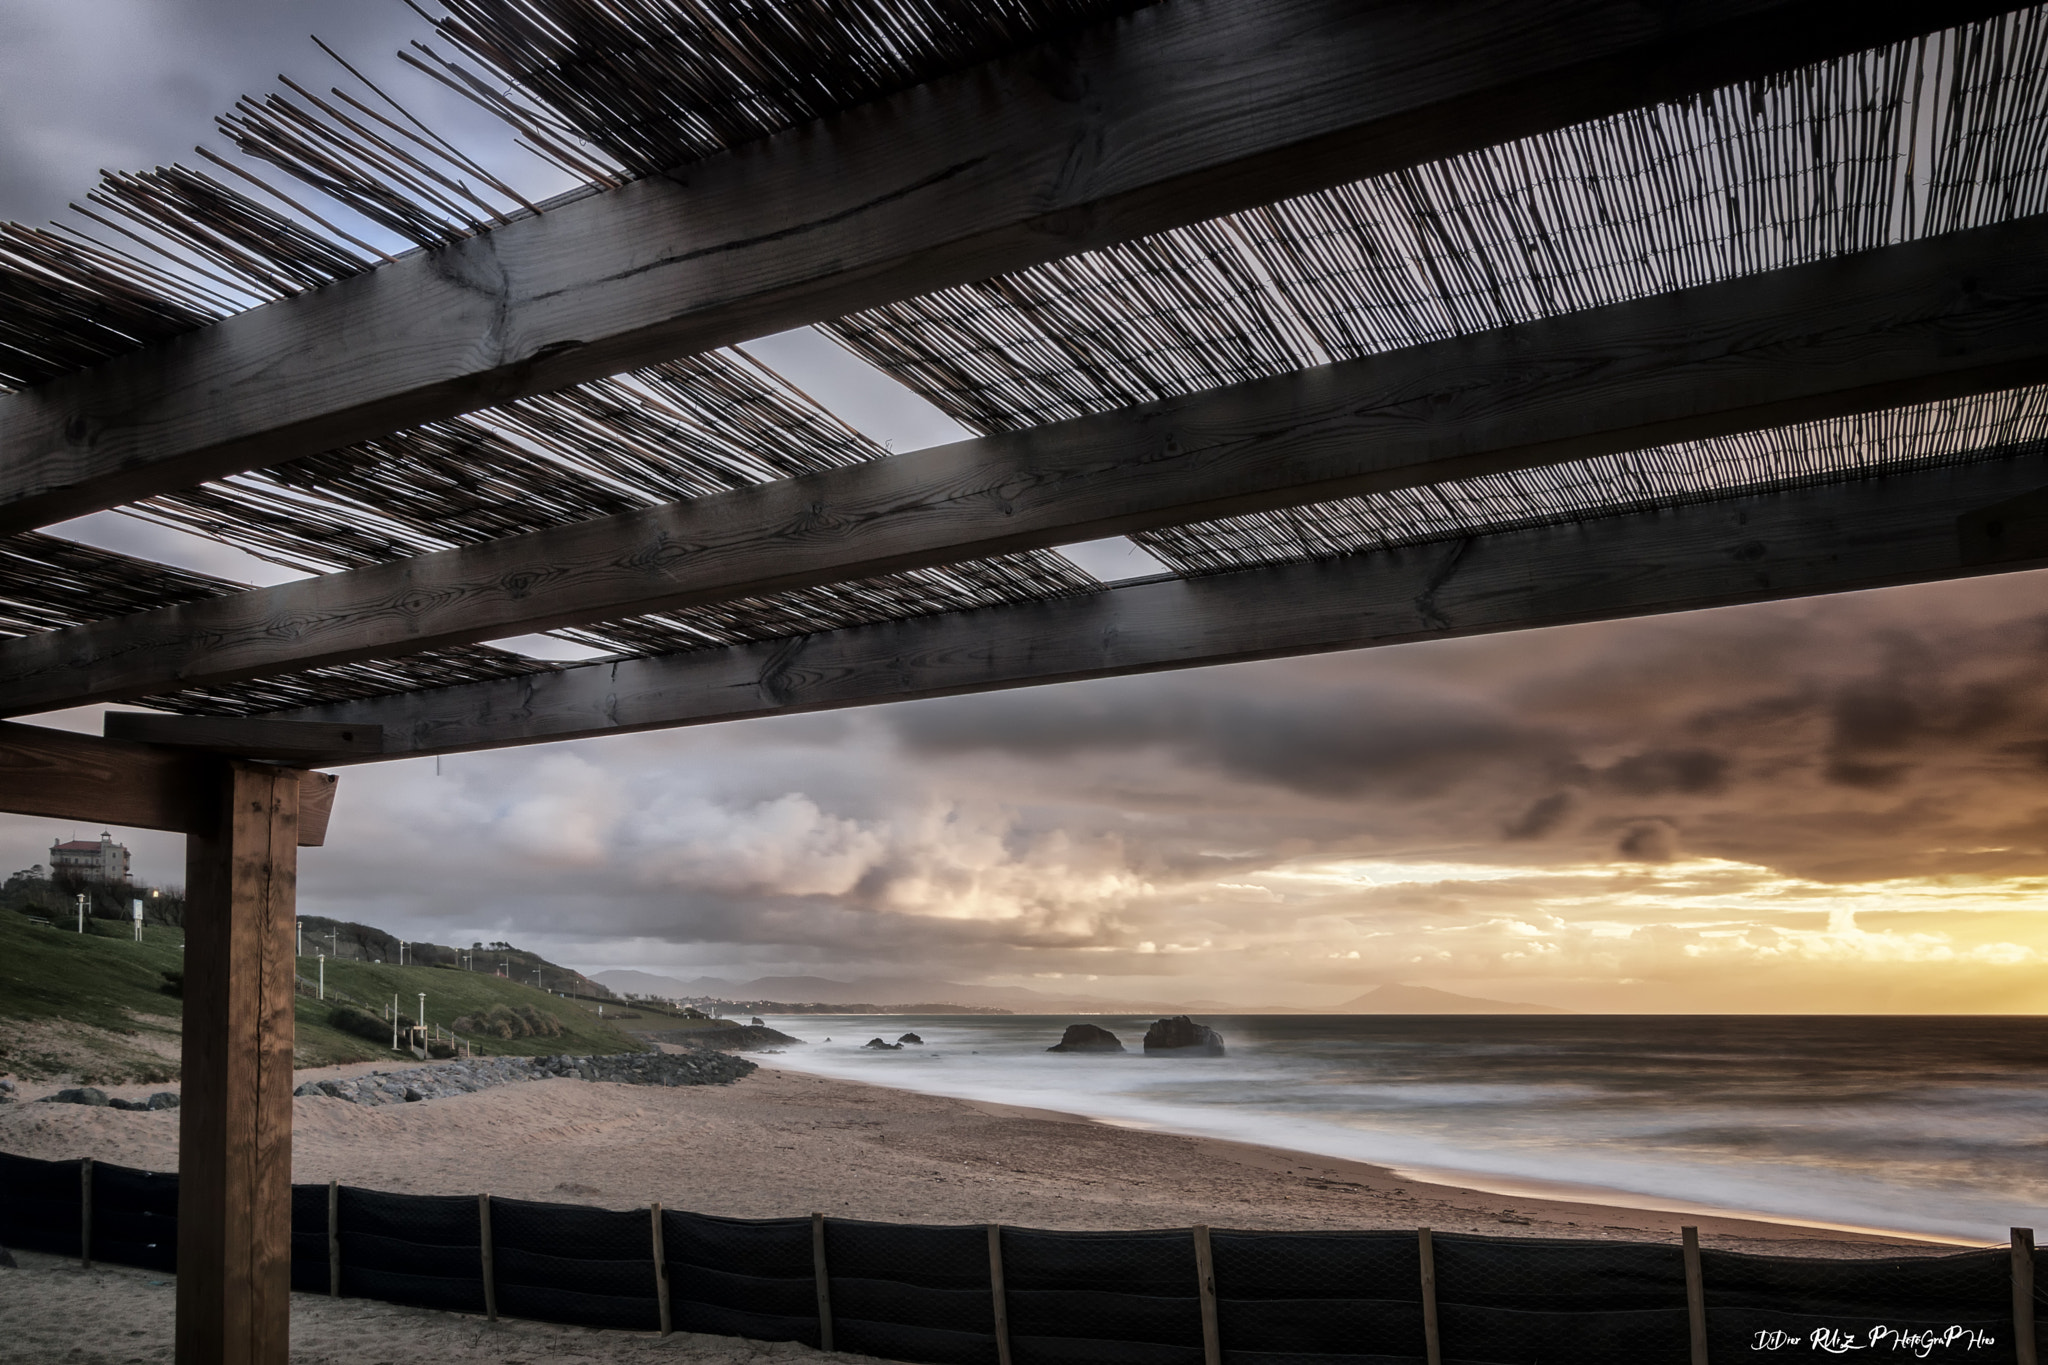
[(659, 83), (1934, 135), (47, 583), (1986, 426), (665, 433)]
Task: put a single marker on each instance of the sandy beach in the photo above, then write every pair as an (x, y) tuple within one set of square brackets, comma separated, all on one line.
[(776, 1144)]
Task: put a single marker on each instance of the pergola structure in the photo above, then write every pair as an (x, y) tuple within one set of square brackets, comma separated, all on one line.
[(1371, 320)]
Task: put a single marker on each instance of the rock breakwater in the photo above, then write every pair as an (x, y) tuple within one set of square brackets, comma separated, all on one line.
[(466, 1077)]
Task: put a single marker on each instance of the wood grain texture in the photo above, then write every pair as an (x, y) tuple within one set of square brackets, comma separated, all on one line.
[(235, 1120), (1695, 1297), (1205, 1282), (1173, 114), (67, 776), (1949, 316), (999, 1293), (242, 737), (316, 806), (1833, 538), (62, 775)]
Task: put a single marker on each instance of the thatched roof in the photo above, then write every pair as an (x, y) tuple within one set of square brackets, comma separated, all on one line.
[(1925, 137)]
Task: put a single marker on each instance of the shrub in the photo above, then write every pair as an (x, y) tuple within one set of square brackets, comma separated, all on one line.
[(508, 1021), (442, 1050), (363, 1024)]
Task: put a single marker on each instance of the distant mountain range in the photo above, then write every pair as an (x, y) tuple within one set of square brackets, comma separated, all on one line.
[(799, 990), (1428, 1000)]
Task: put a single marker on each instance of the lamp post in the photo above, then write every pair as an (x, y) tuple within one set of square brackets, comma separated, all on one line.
[(138, 919), (323, 975), (302, 938), (423, 1019)]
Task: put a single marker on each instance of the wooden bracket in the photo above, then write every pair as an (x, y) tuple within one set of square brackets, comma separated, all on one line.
[(67, 776)]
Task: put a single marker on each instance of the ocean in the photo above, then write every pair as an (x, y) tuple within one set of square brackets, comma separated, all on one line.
[(1928, 1125)]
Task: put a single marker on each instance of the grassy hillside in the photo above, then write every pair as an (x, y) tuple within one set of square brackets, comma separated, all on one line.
[(93, 1006)]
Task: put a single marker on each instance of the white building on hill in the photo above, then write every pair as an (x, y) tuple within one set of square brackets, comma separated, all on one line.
[(105, 861)]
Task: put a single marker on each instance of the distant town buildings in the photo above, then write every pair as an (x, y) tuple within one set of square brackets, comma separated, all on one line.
[(105, 861)]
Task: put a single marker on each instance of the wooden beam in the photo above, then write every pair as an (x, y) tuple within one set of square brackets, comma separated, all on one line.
[(1903, 528), (235, 1117), (65, 776), (242, 736), (1953, 315), (1176, 113), (61, 775)]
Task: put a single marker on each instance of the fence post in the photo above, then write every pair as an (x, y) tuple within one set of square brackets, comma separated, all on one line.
[(483, 1218), (824, 1281), (85, 1213), (334, 1239), (1432, 1345), (1695, 1296), (996, 1294), (1205, 1278), (2025, 1350), (660, 1271)]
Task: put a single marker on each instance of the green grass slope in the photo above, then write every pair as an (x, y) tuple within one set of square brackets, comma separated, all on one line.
[(93, 1007)]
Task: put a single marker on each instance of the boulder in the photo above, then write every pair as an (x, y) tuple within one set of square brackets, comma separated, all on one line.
[(1089, 1038), (1181, 1036), (911, 1038), (878, 1045), (164, 1099), (84, 1094)]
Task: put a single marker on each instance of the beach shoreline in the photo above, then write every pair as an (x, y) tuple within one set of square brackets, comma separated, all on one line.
[(787, 1142)]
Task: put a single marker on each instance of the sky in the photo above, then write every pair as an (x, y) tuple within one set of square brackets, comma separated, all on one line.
[(1835, 804)]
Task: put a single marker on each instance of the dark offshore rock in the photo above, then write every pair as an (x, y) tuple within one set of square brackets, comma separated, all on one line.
[(1089, 1038), (82, 1094), (911, 1038), (1181, 1036), (878, 1045)]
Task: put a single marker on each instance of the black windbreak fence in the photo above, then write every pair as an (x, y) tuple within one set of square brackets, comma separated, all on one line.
[(983, 1295)]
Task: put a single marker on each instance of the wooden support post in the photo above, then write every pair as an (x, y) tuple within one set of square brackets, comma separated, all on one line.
[(824, 1281), (85, 1213), (1432, 1344), (2026, 1348), (997, 1296), (483, 1226), (1205, 1279), (334, 1239), (235, 1123), (1695, 1296), (661, 1272)]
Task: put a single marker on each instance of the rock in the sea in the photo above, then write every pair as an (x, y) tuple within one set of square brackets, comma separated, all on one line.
[(1181, 1036), (83, 1094), (878, 1045), (911, 1038), (758, 1023), (1089, 1038)]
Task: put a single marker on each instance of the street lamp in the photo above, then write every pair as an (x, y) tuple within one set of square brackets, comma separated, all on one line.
[(81, 912), (423, 1019), (302, 938), (323, 974)]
